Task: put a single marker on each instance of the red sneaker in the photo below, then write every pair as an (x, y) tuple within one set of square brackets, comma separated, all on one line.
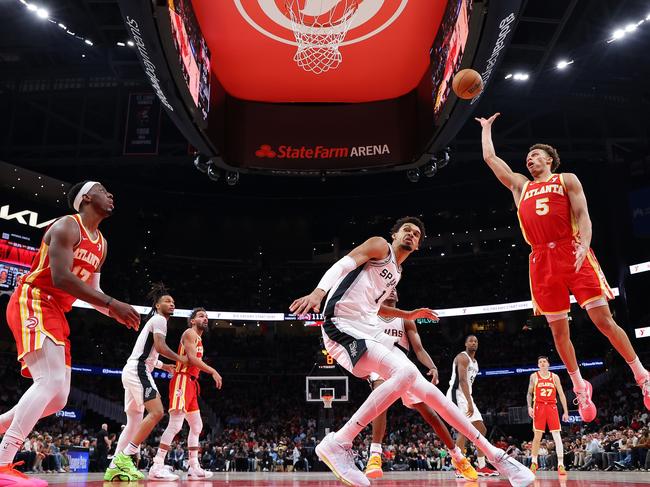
[(10, 477), (486, 472), (586, 407)]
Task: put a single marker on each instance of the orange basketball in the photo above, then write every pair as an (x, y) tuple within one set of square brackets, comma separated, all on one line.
[(467, 84)]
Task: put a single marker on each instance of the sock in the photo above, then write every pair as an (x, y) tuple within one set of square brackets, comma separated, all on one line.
[(9, 448), (194, 458), (481, 462), (375, 449), (160, 455), (534, 460), (456, 454), (130, 449), (559, 447), (578, 382), (640, 373)]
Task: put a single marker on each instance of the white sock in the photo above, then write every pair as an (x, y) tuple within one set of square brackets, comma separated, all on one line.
[(131, 449), (640, 373), (194, 458), (456, 454), (534, 459), (578, 382), (375, 449), (559, 447), (481, 462), (160, 455)]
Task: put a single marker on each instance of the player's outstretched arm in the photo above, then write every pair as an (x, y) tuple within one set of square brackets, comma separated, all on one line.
[(391, 312), (189, 343), (511, 180), (560, 393), (63, 237), (373, 248), (423, 356)]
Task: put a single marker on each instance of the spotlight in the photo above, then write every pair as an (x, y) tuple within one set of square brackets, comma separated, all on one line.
[(88, 41), (563, 64), (430, 168), (521, 76), (201, 164), (130, 43), (213, 173), (42, 13), (121, 44), (630, 27), (618, 33), (232, 178), (413, 175)]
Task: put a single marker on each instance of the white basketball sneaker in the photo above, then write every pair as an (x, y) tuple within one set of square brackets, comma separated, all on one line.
[(518, 475), (195, 472), (160, 471), (340, 459)]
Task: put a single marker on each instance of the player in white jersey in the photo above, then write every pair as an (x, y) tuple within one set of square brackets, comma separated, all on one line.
[(464, 372), (357, 285), (406, 333), (140, 390)]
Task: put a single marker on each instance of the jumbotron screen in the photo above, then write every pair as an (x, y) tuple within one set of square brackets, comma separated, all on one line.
[(308, 86), (193, 53)]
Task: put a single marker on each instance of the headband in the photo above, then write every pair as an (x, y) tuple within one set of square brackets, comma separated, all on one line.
[(84, 190)]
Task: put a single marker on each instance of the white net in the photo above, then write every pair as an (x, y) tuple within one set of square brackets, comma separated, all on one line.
[(319, 27), (327, 401)]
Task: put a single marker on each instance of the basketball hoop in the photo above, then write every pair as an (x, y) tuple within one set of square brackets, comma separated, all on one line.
[(327, 401), (320, 36)]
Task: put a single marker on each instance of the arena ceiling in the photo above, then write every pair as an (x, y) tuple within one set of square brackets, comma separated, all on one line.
[(63, 101)]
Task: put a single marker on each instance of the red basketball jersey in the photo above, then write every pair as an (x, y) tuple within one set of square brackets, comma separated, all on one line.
[(187, 369), (88, 255), (545, 390), (545, 212)]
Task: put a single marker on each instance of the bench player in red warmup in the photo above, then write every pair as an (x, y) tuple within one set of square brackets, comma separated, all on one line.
[(544, 388), (554, 219), (66, 268)]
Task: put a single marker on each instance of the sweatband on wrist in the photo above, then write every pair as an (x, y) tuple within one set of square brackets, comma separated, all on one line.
[(334, 273)]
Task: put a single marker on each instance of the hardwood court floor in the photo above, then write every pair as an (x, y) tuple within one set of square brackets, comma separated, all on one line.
[(391, 479)]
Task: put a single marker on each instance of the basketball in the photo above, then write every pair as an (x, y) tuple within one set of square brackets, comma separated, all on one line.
[(467, 84)]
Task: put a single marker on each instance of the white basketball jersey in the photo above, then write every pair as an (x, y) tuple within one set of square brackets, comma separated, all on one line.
[(394, 328), (144, 351), (472, 372), (358, 294)]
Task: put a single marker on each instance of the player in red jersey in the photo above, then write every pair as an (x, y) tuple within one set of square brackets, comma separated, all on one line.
[(67, 267), (543, 389), (554, 219), (184, 398)]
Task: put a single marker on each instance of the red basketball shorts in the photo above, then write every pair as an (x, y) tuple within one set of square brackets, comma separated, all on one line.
[(32, 318), (553, 277), (546, 415), (184, 393)]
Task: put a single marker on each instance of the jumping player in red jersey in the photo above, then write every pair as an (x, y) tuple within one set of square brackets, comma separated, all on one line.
[(67, 267), (543, 389), (554, 219), (184, 398)]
